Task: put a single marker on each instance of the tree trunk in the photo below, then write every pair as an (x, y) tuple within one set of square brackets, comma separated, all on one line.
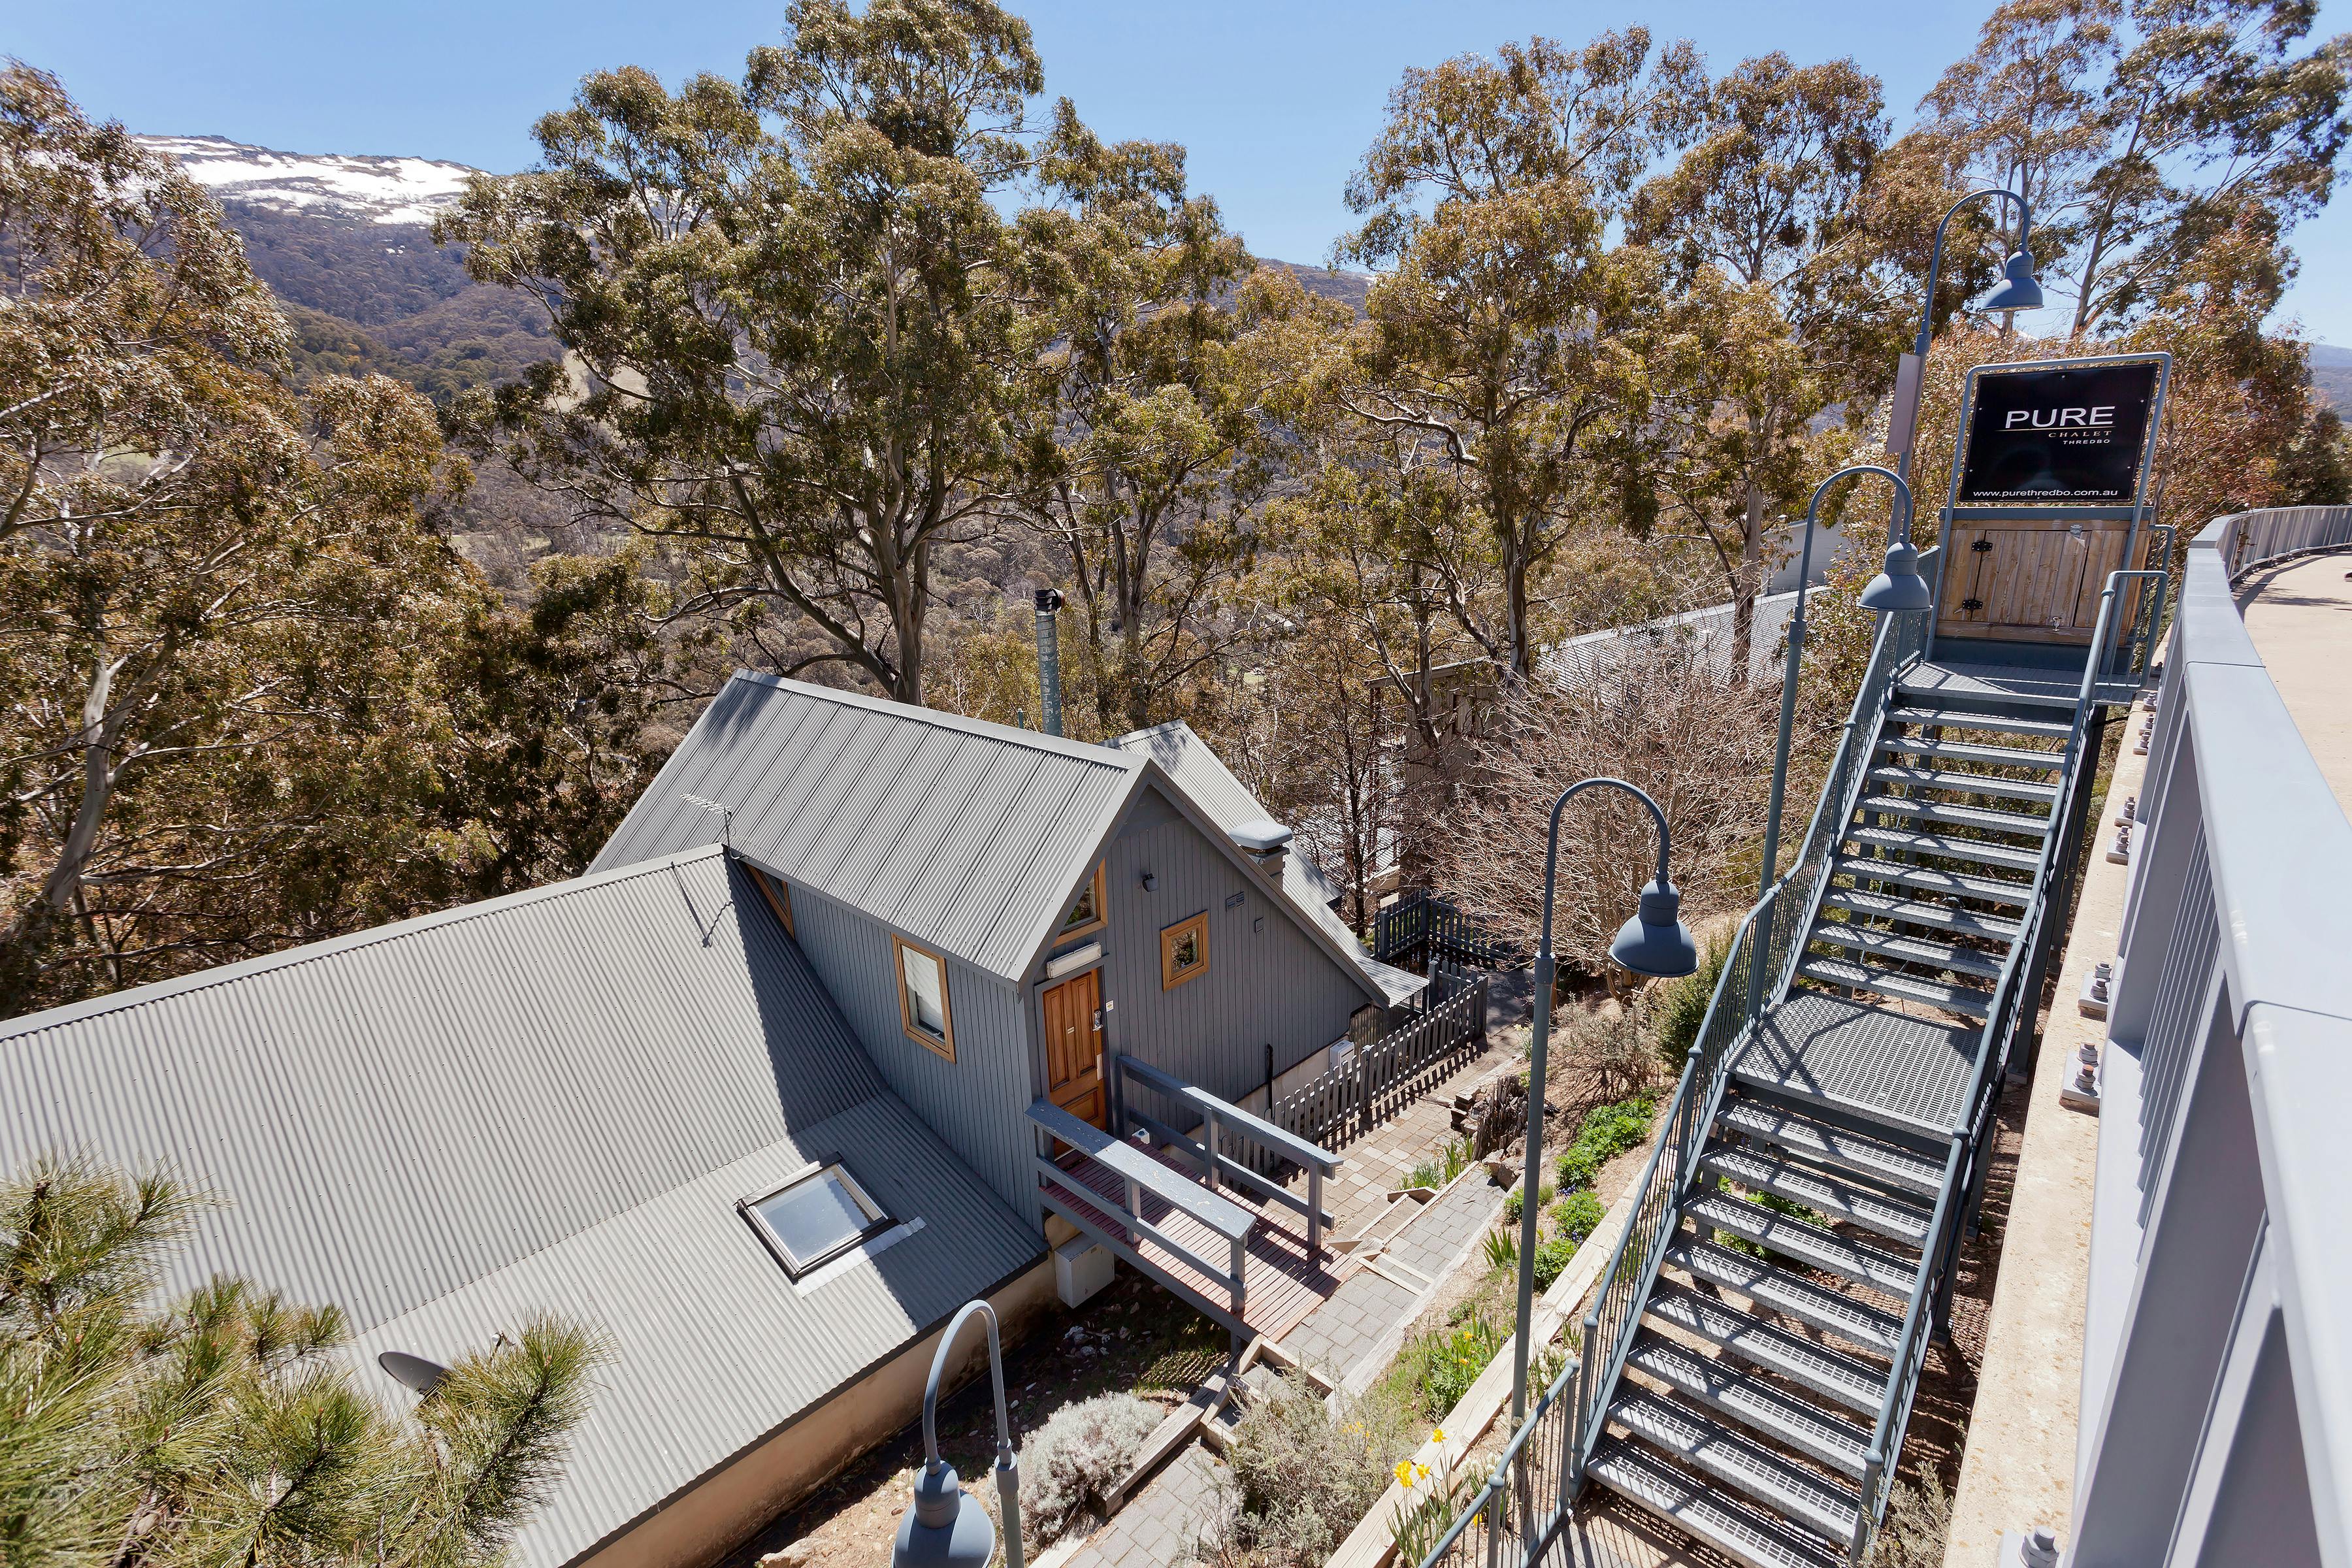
[(29, 933)]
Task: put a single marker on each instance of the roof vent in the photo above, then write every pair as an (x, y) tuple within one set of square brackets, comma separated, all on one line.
[(1267, 843)]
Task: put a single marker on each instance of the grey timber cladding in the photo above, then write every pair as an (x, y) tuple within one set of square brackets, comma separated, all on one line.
[(963, 834), (549, 1102), (1272, 986)]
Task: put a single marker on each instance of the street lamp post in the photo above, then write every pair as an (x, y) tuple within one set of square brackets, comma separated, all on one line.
[(1897, 593), (2017, 291), (1654, 942), (948, 1528)]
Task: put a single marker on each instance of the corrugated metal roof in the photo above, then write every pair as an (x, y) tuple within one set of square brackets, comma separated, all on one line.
[(1202, 774), (550, 1100), (966, 836)]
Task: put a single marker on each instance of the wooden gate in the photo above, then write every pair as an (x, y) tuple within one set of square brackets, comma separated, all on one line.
[(2030, 582)]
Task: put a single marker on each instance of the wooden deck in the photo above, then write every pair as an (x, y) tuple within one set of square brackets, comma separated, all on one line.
[(1280, 1283)]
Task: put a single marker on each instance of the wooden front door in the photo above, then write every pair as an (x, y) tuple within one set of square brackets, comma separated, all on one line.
[(1074, 1046)]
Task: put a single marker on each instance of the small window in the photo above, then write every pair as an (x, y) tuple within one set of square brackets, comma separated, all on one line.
[(815, 1217), (1183, 951), (923, 998), (778, 894), (1089, 914)]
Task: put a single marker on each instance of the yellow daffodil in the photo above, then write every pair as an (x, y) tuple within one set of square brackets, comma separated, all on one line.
[(1405, 1473), (1438, 1436)]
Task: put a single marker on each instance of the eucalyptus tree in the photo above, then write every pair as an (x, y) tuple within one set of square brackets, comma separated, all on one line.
[(788, 309), (1145, 441), (2142, 128), (1767, 199), (1508, 327)]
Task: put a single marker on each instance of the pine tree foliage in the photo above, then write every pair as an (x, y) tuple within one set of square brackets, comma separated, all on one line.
[(226, 1429)]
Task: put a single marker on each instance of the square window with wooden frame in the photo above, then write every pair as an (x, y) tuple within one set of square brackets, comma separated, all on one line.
[(923, 997), (1183, 951), (815, 1217), (1091, 912), (778, 894)]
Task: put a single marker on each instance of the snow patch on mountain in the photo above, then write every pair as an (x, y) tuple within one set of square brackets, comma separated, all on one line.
[(324, 185)]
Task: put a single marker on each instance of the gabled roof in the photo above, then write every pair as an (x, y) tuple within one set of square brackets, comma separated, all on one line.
[(966, 836), (1186, 758), (550, 1100)]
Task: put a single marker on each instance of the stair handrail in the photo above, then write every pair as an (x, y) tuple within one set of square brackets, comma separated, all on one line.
[(1966, 1165), (1762, 971)]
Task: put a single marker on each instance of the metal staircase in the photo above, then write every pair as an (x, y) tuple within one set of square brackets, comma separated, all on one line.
[(1750, 1362)]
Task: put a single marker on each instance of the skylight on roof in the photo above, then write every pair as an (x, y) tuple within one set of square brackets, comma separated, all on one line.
[(815, 1217)]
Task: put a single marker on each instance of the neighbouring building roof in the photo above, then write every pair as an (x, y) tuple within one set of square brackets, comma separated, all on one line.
[(1186, 759), (549, 1102)]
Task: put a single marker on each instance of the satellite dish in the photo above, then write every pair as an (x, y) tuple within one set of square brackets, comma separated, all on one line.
[(414, 1373)]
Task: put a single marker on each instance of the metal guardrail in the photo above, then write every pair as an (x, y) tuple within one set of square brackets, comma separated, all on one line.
[(1527, 1496), (2229, 1043)]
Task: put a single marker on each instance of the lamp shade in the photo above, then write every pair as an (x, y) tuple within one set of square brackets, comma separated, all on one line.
[(1655, 942), (947, 1528), (1900, 587), (2019, 290)]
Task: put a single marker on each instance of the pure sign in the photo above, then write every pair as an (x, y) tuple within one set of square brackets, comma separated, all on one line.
[(2071, 436)]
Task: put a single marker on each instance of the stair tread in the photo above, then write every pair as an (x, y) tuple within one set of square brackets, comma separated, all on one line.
[(1831, 1145), (1983, 817), (1792, 1294), (1852, 1383), (1924, 696), (1736, 1393), (1809, 1244), (1810, 1500), (1917, 912), (1959, 999), (1974, 751), (1689, 1505), (1929, 878), (1970, 719), (1955, 782), (1897, 948), (2007, 857), (1904, 1221)]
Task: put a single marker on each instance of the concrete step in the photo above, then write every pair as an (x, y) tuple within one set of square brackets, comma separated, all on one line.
[(1971, 852), (1897, 1219), (1825, 1142), (1892, 947), (1808, 1244), (1972, 751), (1962, 999), (1918, 808), (1775, 1290), (1955, 782), (1944, 918), (1743, 1534), (1735, 1394), (1799, 1495), (1852, 1383), (1942, 718), (1930, 879)]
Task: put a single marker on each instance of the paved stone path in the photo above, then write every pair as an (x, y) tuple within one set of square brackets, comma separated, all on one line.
[(1164, 1523), (1362, 1316)]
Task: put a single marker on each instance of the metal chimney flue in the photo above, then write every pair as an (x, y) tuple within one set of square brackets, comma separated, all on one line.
[(1049, 658)]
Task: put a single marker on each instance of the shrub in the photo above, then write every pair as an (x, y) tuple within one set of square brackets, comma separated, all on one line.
[(1502, 1250), (1678, 1007), (1518, 1199), (1577, 1215), (1439, 1365), (1610, 1048), (1919, 1525), (1551, 1261), (1303, 1472), (1608, 1132), (1068, 1469), (1439, 1168)]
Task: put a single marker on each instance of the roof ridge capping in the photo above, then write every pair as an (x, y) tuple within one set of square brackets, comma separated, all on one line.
[(1106, 754), (328, 947)]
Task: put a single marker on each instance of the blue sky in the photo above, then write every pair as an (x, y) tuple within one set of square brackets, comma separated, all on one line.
[(1275, 101)]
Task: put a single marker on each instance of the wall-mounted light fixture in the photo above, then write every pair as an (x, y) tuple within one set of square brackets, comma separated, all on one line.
[(1149, 881)]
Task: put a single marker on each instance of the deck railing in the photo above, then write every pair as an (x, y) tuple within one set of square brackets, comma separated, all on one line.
[(2216, 1409), (1420, 925), (1342, 1103), (1763, 959), (1515, 1515), (1223, 1125)]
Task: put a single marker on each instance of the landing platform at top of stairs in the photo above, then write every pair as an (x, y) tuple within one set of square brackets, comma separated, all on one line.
[(1869, 1061), (1967, 681)]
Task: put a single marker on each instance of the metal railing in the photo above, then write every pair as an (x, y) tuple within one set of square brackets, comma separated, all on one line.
[(2220, 1327), (1421, 924), (1527, 1496), (1763, 959)]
